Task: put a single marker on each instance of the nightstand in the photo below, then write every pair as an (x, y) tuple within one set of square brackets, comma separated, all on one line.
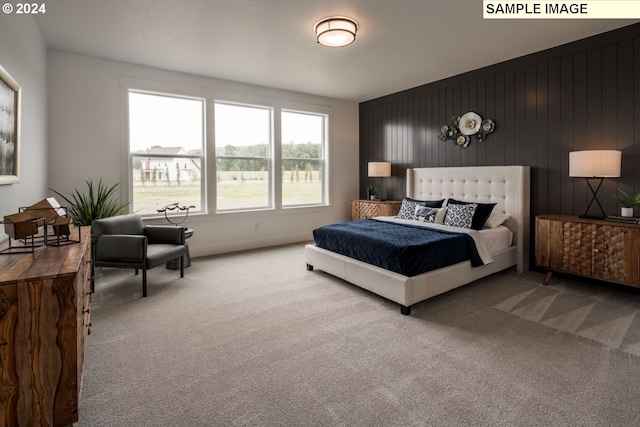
[(363, 209)]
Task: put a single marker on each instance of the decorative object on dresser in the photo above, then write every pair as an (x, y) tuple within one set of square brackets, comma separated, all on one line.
[(627, 201), (378, 170), (460, 129), (592, 248), (45, 302), (28, 229), (363, 209), (10, 132), (594, 165), (371, 192)]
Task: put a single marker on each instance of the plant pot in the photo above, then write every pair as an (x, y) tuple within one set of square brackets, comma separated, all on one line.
[(372, 197), (626, 212)]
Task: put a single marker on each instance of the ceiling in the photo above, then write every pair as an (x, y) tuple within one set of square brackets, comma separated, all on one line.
[(400, 43)]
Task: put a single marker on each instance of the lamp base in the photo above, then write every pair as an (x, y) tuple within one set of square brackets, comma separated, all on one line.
[(594, 198), (592, 217)]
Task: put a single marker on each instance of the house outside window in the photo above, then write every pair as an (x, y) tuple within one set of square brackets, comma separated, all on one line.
[(166, 146)]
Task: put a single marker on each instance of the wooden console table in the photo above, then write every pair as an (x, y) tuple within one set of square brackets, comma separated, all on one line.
[(603, 250), (45, 298)]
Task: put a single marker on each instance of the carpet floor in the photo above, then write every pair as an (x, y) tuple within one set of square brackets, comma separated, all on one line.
[(253, 339)]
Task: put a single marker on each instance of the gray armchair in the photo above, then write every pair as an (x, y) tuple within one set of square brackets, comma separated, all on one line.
[(125, 242)]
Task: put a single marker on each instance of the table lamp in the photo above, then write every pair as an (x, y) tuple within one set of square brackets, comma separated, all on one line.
[(379, 170), (594, 165)]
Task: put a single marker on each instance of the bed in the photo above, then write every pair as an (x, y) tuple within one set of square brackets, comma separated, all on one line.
[(506, 186)]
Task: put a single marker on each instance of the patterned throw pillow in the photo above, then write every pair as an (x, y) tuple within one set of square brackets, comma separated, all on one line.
[(408, 207), (460, 216), (431, 215), (483, 210)]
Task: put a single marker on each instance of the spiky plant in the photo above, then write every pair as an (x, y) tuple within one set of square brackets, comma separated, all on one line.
[(626, 200), (97, 203)]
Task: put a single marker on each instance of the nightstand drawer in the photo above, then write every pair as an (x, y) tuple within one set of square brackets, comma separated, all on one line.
[(363, 209)]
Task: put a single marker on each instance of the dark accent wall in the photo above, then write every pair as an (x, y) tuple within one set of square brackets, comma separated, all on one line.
[(582, 95)]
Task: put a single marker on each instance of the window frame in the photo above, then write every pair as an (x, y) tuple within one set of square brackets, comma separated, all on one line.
[(210, 95), (324, 194), (270, 159), (132, 156)]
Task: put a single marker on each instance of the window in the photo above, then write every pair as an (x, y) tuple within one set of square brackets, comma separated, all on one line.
[(243, 156), (303, 136), (166, 146), (261, 154)]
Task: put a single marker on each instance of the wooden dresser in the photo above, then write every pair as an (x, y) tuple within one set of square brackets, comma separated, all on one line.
[(363, 209), (45, 299), (603, 250)]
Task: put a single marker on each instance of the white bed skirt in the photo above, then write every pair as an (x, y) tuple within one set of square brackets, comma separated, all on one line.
[(404, 290)]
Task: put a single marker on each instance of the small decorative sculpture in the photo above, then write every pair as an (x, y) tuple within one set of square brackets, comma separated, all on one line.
[(461, 128), (173, 207)]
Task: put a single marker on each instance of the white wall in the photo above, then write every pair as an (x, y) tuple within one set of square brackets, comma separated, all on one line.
[(23, 54), (87, 140)]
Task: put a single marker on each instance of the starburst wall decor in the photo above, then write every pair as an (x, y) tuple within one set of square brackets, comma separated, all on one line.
[(461, 129)]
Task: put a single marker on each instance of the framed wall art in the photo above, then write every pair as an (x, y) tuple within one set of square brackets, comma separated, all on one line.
[(9, 129)]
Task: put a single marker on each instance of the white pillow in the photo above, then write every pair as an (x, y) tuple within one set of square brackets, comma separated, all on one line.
[(460, 216), (431, 215), (496, 219)]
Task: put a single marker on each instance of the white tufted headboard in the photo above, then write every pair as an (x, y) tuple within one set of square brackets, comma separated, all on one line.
[(507, 186)]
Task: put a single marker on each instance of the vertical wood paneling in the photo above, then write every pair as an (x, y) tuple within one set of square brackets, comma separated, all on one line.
[(625, 115), (497, 157), (509, 125), (580, 129), (566, 132), (540, 148), (635, 152), (555, 173), (609, 111), (583, 95)]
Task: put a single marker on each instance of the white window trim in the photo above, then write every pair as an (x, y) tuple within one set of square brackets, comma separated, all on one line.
[(203, 157), (210, 96)]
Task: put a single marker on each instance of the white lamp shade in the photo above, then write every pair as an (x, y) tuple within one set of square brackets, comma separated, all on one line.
[(379, 169), (337, 31), (595, 164)]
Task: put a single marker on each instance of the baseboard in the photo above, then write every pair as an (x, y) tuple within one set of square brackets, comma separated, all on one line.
[(249, 244)]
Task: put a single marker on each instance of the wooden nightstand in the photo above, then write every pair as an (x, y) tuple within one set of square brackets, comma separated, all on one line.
[(603, 250), (363, 209)]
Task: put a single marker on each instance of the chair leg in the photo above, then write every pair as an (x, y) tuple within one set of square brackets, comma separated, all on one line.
[(182, 266), (144, 282), (136, 271)]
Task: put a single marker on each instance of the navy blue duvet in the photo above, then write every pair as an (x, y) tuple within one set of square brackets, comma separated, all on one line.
[(405, 249)]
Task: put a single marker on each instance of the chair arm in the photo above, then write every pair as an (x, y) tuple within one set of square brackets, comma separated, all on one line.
[(121, 247), (164, 234)]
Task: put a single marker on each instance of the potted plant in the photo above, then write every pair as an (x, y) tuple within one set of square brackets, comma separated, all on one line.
[(372, 191), (83, 208), (628, 202)]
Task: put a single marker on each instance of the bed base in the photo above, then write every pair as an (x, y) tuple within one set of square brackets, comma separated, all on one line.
[(404, 290)]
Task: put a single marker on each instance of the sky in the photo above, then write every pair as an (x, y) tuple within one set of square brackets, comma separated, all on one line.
[(178, 122)]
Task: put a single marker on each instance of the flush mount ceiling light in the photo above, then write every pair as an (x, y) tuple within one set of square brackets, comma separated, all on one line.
[(337, 31)]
